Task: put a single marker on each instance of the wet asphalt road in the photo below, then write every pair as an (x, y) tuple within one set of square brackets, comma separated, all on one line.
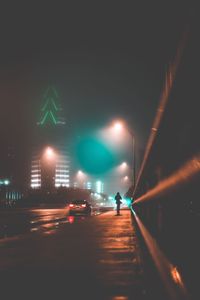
[(46, 254), (22, 221), (16, 222)]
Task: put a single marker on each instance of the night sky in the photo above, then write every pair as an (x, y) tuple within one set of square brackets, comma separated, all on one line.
[(106, 61)]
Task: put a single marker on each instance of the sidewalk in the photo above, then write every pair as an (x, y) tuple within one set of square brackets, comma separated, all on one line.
[(119, 256)]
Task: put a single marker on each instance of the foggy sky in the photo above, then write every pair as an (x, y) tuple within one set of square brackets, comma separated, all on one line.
[(106, 61)]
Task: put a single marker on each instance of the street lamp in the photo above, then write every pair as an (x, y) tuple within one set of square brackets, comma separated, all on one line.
[(81, 177), (49, 153), (47, 176), (118, 126), (124, 165)]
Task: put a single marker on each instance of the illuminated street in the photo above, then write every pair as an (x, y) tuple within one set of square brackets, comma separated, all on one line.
[(23, 221), (99, 150), (97, 255)]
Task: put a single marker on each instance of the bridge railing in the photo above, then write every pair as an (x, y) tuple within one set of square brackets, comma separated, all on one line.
[(166, 203)]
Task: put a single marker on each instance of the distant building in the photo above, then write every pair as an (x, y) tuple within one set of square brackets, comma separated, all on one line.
[(50, 166), (99, 187), (88, 185), (9, 194)]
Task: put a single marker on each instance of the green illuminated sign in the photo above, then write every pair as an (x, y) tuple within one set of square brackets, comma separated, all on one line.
[(49, 111)]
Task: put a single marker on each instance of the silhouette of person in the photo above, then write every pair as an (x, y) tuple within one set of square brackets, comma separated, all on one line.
[(118, 199)]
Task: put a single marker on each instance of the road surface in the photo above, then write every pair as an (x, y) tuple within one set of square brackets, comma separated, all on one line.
[(54, 254)]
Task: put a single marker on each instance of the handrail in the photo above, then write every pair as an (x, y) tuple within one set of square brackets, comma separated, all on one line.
[(170, 76), (180, 177), (165, 207), (169, 273)]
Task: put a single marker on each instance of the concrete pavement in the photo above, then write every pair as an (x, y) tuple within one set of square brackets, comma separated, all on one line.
[(119, 255)]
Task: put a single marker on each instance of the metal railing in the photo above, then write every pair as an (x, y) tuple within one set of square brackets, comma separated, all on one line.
[(167, 192)]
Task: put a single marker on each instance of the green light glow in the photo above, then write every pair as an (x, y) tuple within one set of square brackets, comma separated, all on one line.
[(128, 201), (45, 116), (94, 157), (4, 182), (48, 103), (49, 109), (51, 118), (56, 108), (54, 120), (45, 106)]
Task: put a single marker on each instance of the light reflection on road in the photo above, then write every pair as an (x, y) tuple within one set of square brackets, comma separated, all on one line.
[(49, 225), (37, 221)]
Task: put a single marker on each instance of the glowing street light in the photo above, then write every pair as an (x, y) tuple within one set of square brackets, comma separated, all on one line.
[(4, 182), (47, 175), (126, 180), (124, 165), (49, 153), (122, 168), (81, 177), (80, 173), (118, 126)]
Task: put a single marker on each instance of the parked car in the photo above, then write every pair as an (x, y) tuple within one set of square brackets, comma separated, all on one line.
[(81, 207)]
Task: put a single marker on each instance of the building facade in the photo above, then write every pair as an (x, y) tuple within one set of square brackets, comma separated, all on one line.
[(50, 166)]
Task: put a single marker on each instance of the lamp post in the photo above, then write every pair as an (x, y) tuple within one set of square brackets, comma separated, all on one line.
[(81, 177), (134, 155), (118, 126)]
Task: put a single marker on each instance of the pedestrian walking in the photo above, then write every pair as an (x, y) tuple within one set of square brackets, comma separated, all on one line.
[(118, 199)]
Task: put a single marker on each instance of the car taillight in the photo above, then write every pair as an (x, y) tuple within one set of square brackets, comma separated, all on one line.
[(83, 205), (71, 205)]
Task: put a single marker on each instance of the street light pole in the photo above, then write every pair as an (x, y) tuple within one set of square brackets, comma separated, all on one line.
[(134, 157), (134, 162), (118, 126)]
